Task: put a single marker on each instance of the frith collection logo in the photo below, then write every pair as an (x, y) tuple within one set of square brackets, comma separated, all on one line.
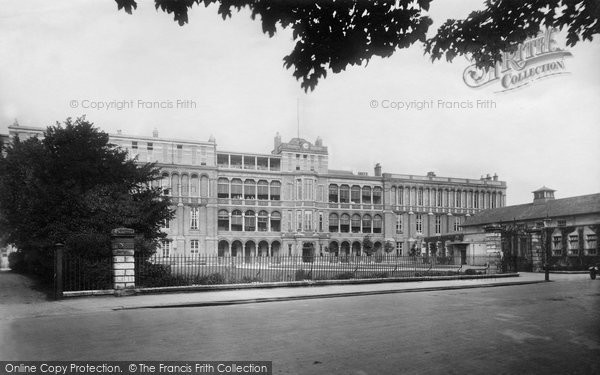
[(534, 59)]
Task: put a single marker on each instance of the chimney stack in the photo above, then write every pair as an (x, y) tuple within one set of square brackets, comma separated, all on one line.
[(377, 170)]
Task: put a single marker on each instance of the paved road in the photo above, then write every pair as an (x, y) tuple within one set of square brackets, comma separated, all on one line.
[(547, 328)]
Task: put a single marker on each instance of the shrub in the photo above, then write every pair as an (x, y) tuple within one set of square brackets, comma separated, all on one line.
[(377, 275), (158, 275), (249, 279), (211, 279), (343, 276), (302, 275)]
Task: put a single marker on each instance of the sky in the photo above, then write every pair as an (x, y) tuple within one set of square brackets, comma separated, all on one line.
[(59, 58)]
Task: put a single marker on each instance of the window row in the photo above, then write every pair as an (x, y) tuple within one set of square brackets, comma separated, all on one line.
[(249, 189), (355, 224), (249, 221), (184, 185), (168, 153), (573, 244), (355, 194), (413, 196)]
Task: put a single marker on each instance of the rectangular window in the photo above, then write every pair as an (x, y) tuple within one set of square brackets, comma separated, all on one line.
[(320, 221), (556, 245), (299, 221), (399, 248), (590, 244), (298, 190), (290, 223), (194, 218), (308, 221), (194, 247), (574, 244), (401, 196), (179, 153), (420, 197), (309, 190), (419, 223), (457, 196), (134, 145), (457, 222), (166, 223), (561, 223), (399, 224), (149, 146), (438, 224), (440, 198), (165, 248)]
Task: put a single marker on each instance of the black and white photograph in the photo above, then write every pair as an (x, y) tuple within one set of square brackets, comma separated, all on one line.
[(299, 187)]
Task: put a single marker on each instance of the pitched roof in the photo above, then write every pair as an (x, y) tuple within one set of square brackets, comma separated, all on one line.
[(580, 205)]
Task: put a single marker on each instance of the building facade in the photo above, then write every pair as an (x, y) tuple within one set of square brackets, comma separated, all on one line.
[(560, 232), (288, 201)]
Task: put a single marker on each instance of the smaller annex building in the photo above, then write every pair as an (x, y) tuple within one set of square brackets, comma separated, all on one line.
[(562, 232)]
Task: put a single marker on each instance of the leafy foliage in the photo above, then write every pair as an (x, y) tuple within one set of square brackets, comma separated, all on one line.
[(504, 24), (332, 34), (389, 246), (368, 245), (73, 187)]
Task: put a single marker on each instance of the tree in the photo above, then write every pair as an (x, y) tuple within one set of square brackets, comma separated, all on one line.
[(74, 187), (368, 245), (388, 247), (330, 35)]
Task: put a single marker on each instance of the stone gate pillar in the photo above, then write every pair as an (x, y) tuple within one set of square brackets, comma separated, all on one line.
[(123, 263)]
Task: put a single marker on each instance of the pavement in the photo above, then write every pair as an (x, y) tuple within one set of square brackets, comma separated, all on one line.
[(19, 297)]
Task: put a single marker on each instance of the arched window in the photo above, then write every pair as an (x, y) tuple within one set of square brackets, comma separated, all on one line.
[(263, 221), (334, 223), (223, 220), (366, 222), (333, 193), (345, 223), (377, 224), (275, 221), (249, 189), (250, 221), (355, 194), (366, 194), (377, 192), (194, 186), (275, 190), (175, 185), (263, 190), (236, 220), (355, 223), (165, 184), (185, 184), (344, 194), (236, 188), (223, 188)]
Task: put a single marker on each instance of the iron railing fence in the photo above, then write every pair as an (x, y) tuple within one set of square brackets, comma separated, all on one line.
[(86, 273), (160, 271), (83, 274)]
